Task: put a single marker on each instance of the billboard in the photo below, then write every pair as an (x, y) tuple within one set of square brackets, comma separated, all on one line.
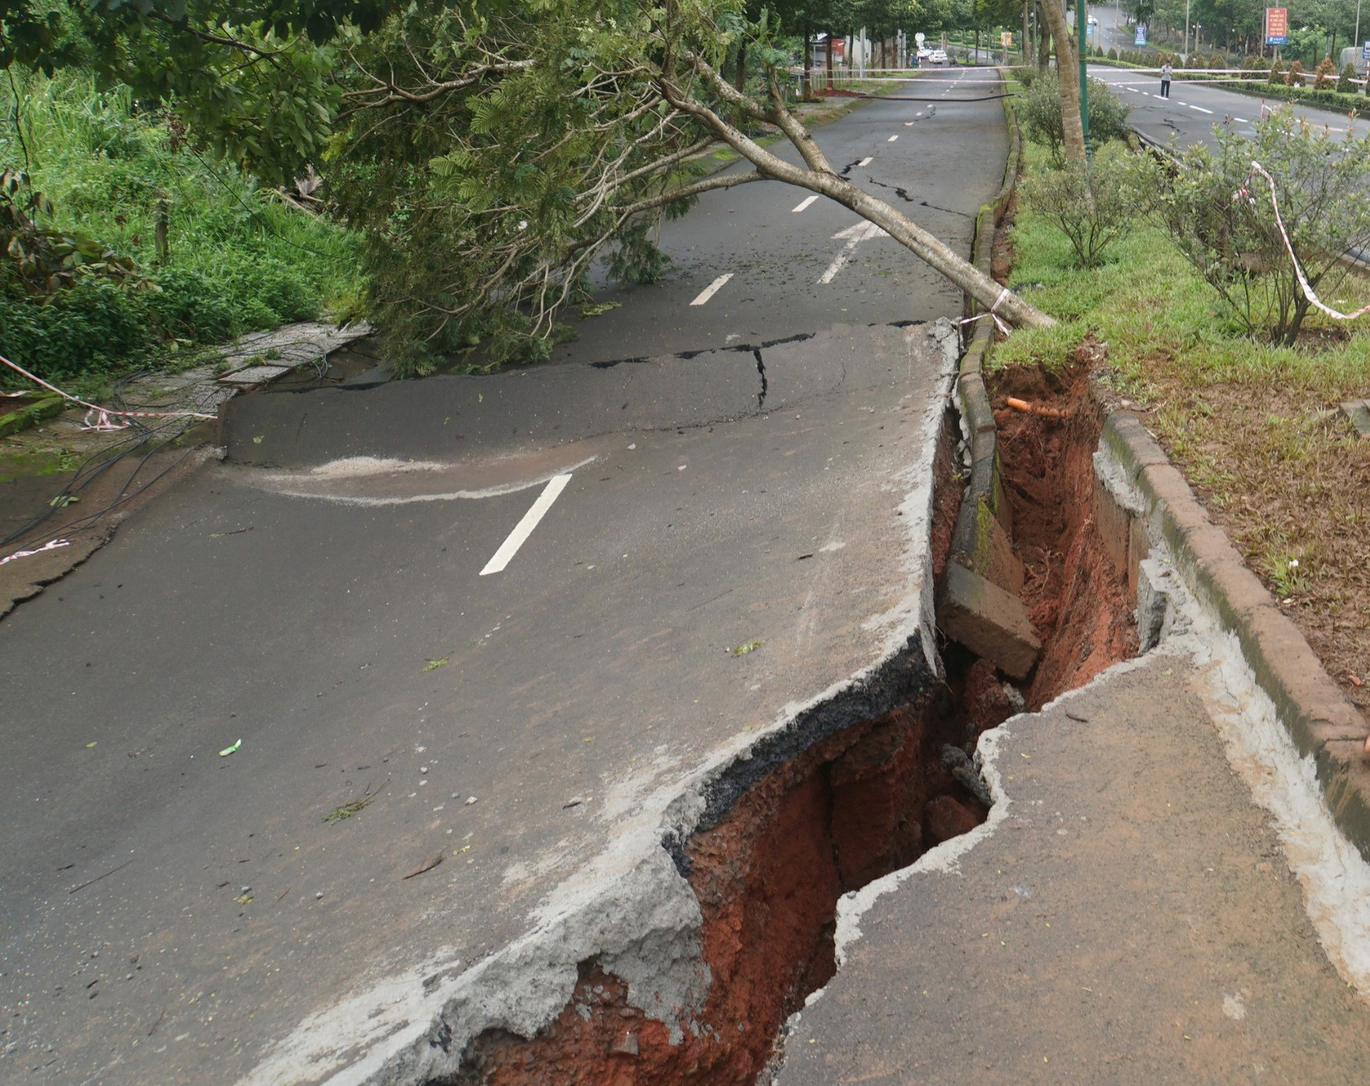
[(1006, 39), (1276, 26), (1140, 37)]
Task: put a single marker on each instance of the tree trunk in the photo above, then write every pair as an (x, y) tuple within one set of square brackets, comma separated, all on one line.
[(829, 61), (1027, 40), (1044, 38), (740, 76), (1068, 78)]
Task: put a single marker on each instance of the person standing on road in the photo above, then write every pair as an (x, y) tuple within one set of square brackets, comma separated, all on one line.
[(1165, 80)]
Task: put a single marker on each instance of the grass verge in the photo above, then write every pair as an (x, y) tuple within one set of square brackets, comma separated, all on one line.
[(240, 257), (1256, 429)]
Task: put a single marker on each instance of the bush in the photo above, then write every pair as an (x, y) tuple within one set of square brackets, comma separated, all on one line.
[(1223, 222), (1277, 73), (93, 325), (1039, 110), (1346, 81), (1097, 205), (1294, 77), (1325, 73), (1113, 54)]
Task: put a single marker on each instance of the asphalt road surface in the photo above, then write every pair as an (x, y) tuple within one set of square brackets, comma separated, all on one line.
[(1194, 108), (508, 622)]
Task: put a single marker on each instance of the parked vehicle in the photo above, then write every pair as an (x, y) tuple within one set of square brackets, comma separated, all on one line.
[(937, 56)]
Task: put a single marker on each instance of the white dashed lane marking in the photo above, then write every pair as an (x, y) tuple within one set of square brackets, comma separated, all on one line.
[(864, 162), (803, 204), (712, 289), (892, 138), (525, 527), (1201, 109)]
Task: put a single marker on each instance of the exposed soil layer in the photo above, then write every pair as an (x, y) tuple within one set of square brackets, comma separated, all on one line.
[(851, 808), (1076, 597), (856, 804)]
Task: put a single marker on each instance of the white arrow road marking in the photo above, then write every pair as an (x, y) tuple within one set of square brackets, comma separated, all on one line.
[(804, 203), (525, 527), (712, 289), (854, 236)]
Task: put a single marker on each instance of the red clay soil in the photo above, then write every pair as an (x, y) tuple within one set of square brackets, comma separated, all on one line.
[(850, 809), (1075, 596)]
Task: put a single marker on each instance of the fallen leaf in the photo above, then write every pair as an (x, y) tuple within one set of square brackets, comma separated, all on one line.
[(744, 648), (433, 665)]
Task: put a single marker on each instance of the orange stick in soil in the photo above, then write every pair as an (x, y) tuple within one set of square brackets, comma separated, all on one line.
[(1032, 409)]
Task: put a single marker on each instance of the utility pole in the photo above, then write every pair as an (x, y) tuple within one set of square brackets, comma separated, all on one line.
[(1081, 17), (1185, 49)]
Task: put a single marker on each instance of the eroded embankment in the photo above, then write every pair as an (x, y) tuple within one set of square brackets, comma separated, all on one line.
[(785, 840)]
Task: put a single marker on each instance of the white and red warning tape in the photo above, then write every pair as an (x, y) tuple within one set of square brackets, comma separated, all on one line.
[(998, 320), (1245, 193), (104, 416), (51, 545)]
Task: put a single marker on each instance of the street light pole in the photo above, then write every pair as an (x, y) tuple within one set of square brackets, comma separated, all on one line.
[(1185, 51), (1358, 41)]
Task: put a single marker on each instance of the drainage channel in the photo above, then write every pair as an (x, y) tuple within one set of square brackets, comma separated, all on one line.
[(786, 839)]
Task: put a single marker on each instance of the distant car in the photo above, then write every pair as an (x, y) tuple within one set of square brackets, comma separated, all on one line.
[(924, 53), (1093, 20), (937, 56)]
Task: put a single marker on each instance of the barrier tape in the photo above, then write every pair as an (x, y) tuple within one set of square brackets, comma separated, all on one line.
[(51, 545), (1245, 193), (998, 320), (105, 415)]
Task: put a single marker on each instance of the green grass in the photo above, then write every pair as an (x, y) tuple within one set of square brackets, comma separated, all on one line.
[(1254, 427), (241, 259)]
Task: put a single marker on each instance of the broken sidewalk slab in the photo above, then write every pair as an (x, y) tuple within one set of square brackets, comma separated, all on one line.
[(287, 347), (1125, 915), (1358, 411), (988, 620)]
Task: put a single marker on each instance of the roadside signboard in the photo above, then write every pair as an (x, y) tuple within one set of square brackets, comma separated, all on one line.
[(1276, 26), (1139, 38), (1006, 39), (1365, 51)]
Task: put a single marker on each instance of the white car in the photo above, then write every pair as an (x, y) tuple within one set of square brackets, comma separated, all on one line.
[(924, 53), (937, 56)]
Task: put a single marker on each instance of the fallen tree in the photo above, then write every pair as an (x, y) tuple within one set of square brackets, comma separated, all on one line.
[(493, 158)]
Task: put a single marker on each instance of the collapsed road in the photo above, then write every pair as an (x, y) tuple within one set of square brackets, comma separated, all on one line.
[(399, 710), (442, 788)]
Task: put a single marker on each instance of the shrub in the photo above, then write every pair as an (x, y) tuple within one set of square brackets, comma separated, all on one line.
[(93, 325), (1294, 77), (1095, 205), (1346, 80), (1223, 223), (1325, 73), (1277, 73), (1040, 113), (1113, 54)]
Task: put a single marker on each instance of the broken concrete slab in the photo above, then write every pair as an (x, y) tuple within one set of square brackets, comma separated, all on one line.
[(1127, 914), (989, 621)]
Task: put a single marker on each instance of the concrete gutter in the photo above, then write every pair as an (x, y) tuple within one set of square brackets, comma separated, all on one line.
[(1322, 723), (978, 602)]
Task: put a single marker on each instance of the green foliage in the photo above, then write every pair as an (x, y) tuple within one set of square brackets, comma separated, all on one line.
[(1346, 80), (1039, 111), (240, 258), (1220, 214), (1097, 205), (1277, 72)]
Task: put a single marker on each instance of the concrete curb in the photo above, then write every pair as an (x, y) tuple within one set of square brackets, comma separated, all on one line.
[(983, 522), (1319, 719)]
